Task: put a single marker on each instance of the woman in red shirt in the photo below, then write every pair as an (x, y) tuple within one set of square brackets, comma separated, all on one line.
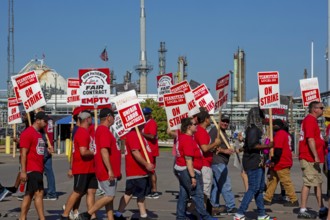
[(189, 162)]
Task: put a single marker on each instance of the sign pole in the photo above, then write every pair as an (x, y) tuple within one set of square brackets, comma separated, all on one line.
[(14, 143), (142, 144), (220, 132)]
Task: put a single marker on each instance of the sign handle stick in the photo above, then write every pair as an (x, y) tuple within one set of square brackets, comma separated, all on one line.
[(221, 134), (29, 118), (71, 141), (271, 153), (142, 144), (14, 143), (95, 117)]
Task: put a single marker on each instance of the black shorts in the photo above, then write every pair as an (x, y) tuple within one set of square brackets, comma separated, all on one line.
[(83, 182), (139, 187), (35, 182)]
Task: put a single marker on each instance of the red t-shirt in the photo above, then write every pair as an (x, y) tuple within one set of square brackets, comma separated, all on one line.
[(32, 140), (310, 129), (82, 165), (49, 129), (150, 127), (282, 140), (105, 139), (134, 168), (188, 147), (202, 137)]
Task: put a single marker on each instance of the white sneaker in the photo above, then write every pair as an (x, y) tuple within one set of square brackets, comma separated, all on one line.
[(239, 217)]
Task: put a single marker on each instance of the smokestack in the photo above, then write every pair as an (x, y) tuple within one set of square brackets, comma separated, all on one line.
[(143, 68)]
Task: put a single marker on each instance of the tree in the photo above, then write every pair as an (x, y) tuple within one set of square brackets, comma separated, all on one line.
[(159, 115)]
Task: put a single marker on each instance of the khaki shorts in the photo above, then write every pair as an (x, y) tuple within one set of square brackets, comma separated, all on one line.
[(207, 175), (312, 175)]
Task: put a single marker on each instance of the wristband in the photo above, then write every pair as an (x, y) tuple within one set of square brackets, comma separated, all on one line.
[(193, 177)]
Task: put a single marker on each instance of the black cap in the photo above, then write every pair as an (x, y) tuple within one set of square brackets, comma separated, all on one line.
[(41, 116), (106, 112), (225, 117), (278, 122)]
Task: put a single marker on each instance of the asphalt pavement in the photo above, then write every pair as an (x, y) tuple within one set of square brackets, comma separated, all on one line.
[(163, 208)]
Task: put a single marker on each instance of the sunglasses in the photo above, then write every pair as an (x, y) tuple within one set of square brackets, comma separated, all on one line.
[(225, 121), (320, 107), (194, 124)]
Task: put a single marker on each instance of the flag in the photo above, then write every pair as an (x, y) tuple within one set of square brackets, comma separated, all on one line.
[(104, 55)]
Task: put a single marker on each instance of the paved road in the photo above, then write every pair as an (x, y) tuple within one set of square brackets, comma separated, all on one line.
[(162, 208)]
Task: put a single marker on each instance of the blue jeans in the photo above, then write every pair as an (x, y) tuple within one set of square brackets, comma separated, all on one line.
[(196, 195), (221, 184), (256, 180), (48, 170)]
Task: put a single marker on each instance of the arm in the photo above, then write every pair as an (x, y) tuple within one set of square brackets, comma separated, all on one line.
[(84, 152), (277, 155), (106, 162), (23, 176), (138, 157), (312, 147), (191, 171), (149, 136), (208, 147)]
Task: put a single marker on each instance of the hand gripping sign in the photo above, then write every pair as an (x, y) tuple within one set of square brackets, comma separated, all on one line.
[(29, 90), (309, 90), (204, 98), (164, 83), (94, 87), (190, 100), (176, 109), (73, 92), (131, 115)]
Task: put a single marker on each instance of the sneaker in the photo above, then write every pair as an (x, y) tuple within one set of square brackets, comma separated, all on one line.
[(266, 217), (239, 217), (153, 195), (72, 215), (99, 192), (306, 215), (64, 218), (119, 218), (3, 194), (191, 216), (291, 204), (267, 202), (18, 193), (322, 213), (84, 216), (217, 210), (12, 189), (232, 211), (50, 198)]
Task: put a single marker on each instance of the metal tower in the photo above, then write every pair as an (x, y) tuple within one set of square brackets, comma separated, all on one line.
[(143, 68), (181, 74), (10, 48), (239, 76), (162, 58)]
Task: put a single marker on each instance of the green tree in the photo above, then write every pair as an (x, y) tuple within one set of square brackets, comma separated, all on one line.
[(159, 115)]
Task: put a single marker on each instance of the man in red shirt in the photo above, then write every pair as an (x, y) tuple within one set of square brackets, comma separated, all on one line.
[(83, 168), (32, 166), (107, 164), (150, 133), (311, 156), (137, 174), (281, 164)]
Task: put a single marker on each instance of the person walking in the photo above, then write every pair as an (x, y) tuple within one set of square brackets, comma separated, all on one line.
[(149, 132), (137, 174), (189, 163), (107, 165), (32, 148), (311, 157), (280, 166), (221, 180), (83, 169), (253, 163)]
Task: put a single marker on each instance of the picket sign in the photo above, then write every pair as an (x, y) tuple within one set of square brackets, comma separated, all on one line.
[(130, 112)]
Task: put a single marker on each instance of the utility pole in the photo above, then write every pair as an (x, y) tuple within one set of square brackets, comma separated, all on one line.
[(10, 47)]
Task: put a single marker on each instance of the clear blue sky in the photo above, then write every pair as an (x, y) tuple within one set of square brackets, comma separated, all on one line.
[(275, 35)]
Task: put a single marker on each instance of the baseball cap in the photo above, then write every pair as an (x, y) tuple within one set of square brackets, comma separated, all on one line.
[(84, 114), (106, 112), (76, 111), (146, 110), (41, 116), (225, 117)]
